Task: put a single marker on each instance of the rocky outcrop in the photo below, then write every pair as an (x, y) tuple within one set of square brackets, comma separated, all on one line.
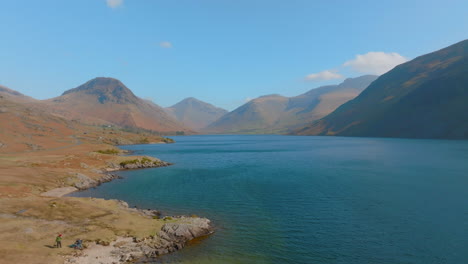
[(173, 236), (83, 182), (141, 163)]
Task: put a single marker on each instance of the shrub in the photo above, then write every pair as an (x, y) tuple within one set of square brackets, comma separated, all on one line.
[(167, 140), (125, 162), (109, 151)]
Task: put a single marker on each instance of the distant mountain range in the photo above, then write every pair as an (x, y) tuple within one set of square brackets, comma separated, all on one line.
[(109, 101), (194, 113), (423, 98), (279, 114)]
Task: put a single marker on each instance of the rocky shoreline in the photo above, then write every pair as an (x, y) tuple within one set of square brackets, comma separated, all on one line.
[(82, 182), (174, 234)]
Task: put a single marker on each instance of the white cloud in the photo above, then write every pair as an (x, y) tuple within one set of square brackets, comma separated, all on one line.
[(114, 3), (375, 62), (323, 76), (247, 99), (165, 44)]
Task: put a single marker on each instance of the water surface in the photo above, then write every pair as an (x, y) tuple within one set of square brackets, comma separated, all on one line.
[(287, 199)]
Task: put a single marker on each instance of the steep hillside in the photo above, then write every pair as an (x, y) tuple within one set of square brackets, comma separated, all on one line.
[(109, 101), (279, 114), (424, 98), (195, 114)]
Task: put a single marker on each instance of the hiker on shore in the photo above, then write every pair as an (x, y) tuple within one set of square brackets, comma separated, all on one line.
[(58, 241)]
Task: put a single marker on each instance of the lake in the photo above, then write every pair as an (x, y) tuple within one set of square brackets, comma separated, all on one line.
[(290, 199)]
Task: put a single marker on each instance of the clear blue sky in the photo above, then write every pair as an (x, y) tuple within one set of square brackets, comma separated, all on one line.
[(219, 51)]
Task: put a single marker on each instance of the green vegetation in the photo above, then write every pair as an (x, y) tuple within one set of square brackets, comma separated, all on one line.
[(126, 162), (167, 140), (143, 160), (109, 151)]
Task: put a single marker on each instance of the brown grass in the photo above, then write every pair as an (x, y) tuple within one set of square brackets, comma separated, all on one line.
[(29, 222)]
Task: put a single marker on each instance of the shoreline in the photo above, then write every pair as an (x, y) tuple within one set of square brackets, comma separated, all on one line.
[(173, 236)]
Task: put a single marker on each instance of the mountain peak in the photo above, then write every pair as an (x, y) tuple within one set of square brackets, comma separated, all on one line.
[(106, 90), (194, 113), (190, 100), (270, 96)]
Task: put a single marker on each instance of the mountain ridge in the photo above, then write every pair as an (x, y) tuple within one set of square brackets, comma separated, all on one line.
[(426, 97), (280, 114)]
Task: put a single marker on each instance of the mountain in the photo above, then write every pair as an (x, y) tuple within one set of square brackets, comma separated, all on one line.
[(109, 101), (280, 114), (423, 98), (194, 113), (13, 95)]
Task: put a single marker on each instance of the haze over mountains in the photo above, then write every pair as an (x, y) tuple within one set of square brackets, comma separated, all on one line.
[(194, 113), (280, 114), (423, 98)]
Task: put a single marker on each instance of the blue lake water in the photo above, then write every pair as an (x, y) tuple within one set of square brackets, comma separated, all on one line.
[(287, 199)]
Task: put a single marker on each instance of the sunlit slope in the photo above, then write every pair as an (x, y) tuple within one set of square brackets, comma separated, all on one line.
[(280, 114), (110, 100)]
